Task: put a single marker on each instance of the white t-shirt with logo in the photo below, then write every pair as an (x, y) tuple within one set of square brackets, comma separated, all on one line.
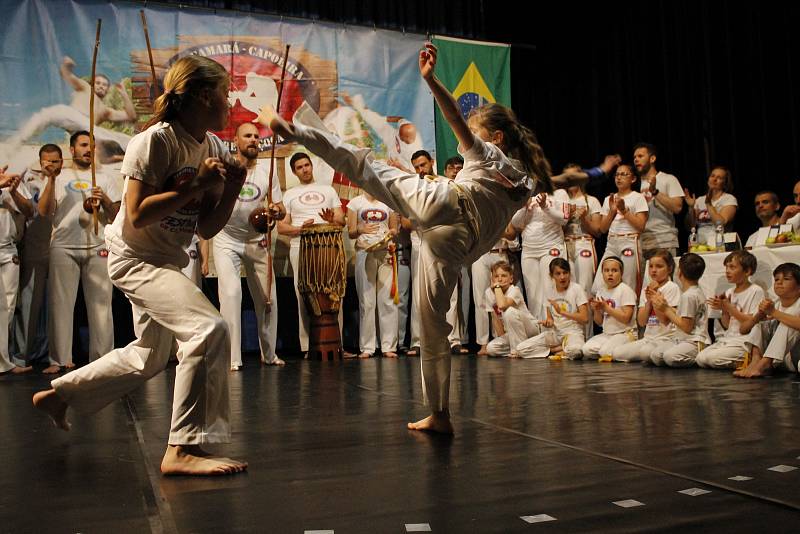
[(573, 227), (72, 225), (635, 203), (305, 201), (617, 297), (655, 329), (541, 228), (370, 212), (568, 301), (163, 156), (253, 195), (706, 230), (38, 228), (747, 302), (11, 222), (660, 230), (693, 305)]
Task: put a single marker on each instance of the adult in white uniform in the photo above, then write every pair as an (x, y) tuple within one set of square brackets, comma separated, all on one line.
[(664, 196), (179, 178), (717, 207), (15, 205), (768, 207), (306, 204), (238, 245), (459, 219), (369, 222), (77, 254), (540, 224), (29, 332)]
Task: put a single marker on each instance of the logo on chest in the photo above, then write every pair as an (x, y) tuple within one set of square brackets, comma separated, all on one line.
[(312, 198), (249, 192), (79, 186), (374, 215)]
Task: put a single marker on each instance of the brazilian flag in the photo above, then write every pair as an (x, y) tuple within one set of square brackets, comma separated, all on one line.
[(476, 73)]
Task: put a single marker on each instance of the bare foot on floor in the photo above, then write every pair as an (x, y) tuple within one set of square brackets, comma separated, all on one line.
[(439, 423), (194, 461), (757, 369), (483, 351), (390, 354), (276, 361), (17, 370), (52, 370), (50, 403)]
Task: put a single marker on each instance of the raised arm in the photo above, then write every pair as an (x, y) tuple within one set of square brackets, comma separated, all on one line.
[(447, 104)]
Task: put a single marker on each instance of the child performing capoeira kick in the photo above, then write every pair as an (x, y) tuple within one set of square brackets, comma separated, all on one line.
[(178, 178), (459, 220)]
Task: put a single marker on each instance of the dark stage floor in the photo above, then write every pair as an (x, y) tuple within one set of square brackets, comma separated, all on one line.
[(540, 446)]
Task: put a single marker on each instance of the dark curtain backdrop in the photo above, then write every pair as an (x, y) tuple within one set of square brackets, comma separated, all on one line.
[(706, 82)]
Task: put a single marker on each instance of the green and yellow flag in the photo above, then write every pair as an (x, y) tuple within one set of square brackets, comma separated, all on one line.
[(475, 73)]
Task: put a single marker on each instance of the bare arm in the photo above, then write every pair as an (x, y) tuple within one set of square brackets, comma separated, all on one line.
[(67, 64), (47, 200), (724, 216), (202, 250), (672, 204), (216, 206), (447, 104), (352, 224), (128, 113)]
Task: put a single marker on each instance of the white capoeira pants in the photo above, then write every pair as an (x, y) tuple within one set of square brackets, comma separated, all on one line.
[(456, 316), (374, 286), (583, 261), (536, 276), (519, 327), (30, 338), (676, 353), (69, 119), (303, 319), (784, 345), (481, 280), (67, 268), (541, 345), (604, 344), (165, 304), (626, 248), (404, 287), (5, 359), (638, 351), (448, 237), (724, 354), (9, 271), (229, 257)]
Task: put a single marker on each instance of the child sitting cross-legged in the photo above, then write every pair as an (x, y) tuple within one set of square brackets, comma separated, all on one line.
[(567, 315), (739, 304), (783, 325), (691, 319), (512, 321), (657, 327), (613, 308)]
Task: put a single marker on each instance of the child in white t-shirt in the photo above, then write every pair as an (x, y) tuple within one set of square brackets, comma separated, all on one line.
[(612, 307), (691, 319), (783, 325), (567, 315), (738, 304), (657, 327), (512, 321), (624, 216)]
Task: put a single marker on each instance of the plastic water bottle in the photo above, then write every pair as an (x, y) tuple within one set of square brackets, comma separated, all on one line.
[(720, 238), (693, 239)]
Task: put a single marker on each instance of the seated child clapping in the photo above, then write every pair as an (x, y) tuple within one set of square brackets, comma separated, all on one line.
[(691, 319), (738, 304), (512, 321), (783, 326), (567, 315), (657, 327), (613, 308)]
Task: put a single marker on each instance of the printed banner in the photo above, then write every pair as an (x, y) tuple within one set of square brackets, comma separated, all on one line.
[(475, 73)]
